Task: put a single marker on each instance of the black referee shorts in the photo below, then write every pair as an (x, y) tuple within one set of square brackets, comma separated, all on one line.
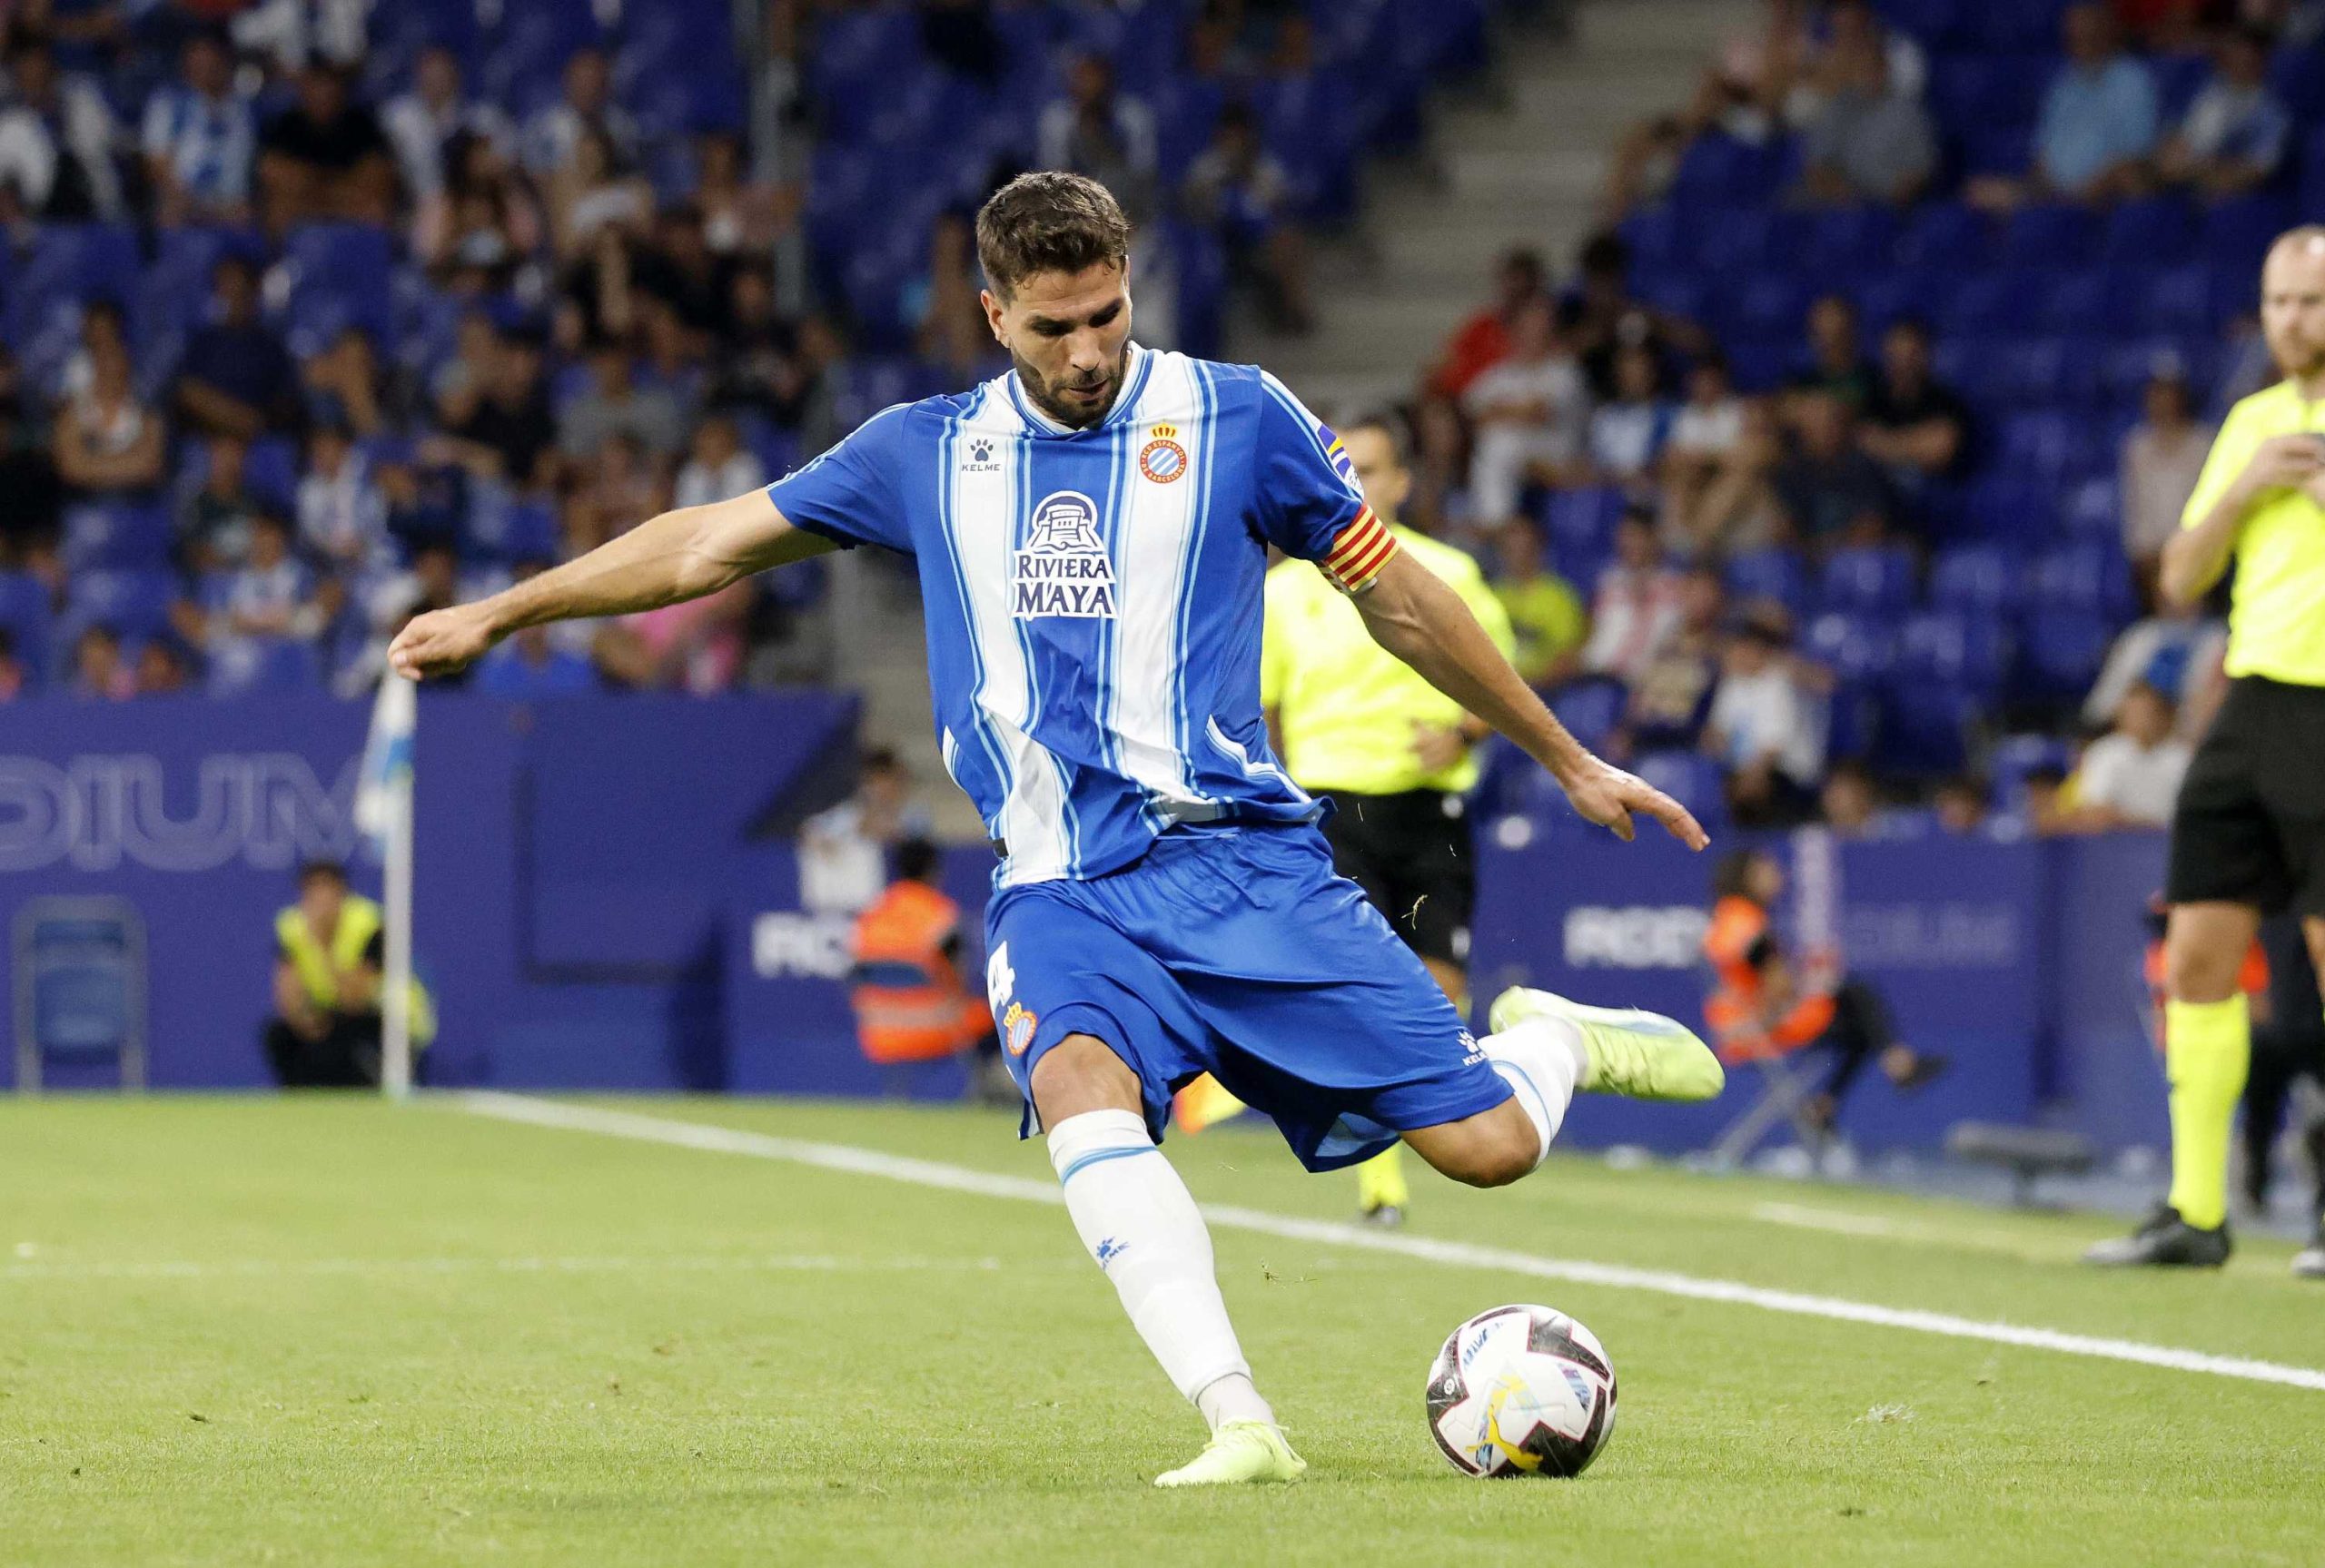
[(1411, 855), (2250, 824)]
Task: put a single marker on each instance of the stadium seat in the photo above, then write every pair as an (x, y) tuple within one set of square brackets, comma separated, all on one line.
[(1955, 647), (2154, 231), (2059, 656), (2003, 510), (1690, 778), (259, 666), (1590, 709), (1770, 574), (1868, 579), (2237, 233), (25, 614), (2048, 235), (1979, 579), (2047, 446), (2088, 576), (119, 535), (136, 604), (1854, 647), (1924, 727)]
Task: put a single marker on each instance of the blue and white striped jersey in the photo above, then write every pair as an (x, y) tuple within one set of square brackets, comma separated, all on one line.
[(1093, 596)]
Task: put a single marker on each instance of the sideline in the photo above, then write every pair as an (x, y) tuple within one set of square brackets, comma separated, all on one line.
[(1333, 1233)]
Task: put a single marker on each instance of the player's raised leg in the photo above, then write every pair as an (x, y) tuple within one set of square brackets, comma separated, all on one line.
[(1139, 1223)]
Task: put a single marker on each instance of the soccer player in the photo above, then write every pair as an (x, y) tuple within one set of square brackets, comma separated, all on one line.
[(1091, 529), (2248, 832), (1347, 717)]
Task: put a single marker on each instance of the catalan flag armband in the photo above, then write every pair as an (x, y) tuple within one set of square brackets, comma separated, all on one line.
[(1358, 555)]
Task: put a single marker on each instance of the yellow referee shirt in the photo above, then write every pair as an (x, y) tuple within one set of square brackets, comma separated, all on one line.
[(2276, 623), (1347, 706)]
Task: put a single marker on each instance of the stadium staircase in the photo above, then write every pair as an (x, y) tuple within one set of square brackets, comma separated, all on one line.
[(1520, 160)]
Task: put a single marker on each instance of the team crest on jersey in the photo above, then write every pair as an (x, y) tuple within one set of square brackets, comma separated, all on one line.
[(1064, 568), (1017, 1028), (1162, 459)]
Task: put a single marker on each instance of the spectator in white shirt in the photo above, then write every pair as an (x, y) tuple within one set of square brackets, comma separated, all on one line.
[(1764, 729), (199, 139), (1716, 464), (2130, 777), (343, 516), (1532, 412), (2162, 457), (423, 121), (552, 135), (56, 141), (1635, 605), (718, 467), (1627, 434)]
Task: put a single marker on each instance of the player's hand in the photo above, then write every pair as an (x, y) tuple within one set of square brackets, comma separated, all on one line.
[(443, 642), (1605, 794), (1437, 747), (2286, 463)]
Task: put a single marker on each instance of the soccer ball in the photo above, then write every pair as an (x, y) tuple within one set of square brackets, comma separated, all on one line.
[(1521, 1391)]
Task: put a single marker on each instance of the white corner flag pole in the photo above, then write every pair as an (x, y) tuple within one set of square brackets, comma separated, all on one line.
[(384, 812)]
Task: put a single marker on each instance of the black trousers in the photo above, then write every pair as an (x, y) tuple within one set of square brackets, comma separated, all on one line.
[(1860, 1030), (346, 1057)]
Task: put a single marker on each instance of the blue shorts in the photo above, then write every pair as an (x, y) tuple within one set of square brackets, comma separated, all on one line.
[(1238, 952)]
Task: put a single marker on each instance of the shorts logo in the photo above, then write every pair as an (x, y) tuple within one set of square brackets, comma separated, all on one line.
[(1064, 568), (1162, 459), (1017, 1028)]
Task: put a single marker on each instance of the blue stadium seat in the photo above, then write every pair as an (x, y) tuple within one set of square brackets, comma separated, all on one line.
[(2237, 233), (1854, 647), (136, 604), (1770, 574), (2088, 576), (260, 666), (1840, 244), (2093, 508), (2059, 656), (1978, 579), (2177, 79), (1690, 778), (2016, 757), (1870, 579), (24, 613), (2048, 447), (2047, 235), (117, 535), (1956, 648), (1998, 303), (1924, 730), (1590, 709), (1659, 236), (2002, 509), (2155, 231), (2297, 76)]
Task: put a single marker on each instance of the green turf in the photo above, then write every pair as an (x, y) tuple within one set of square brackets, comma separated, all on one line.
[(248, 1331)]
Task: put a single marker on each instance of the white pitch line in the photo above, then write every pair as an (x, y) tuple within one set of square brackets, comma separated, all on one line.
[(1838, 1221), (278, 1267), (1461, 1255)]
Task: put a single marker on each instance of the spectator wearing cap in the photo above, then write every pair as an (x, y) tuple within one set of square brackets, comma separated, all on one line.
[(1762, 728), (235, 377), (2162, 457), (2234, 136), (325, 159), (56, 141), (199, 139), (1914, 426)]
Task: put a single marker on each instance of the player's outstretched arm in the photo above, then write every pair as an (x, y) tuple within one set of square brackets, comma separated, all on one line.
[(1411, 612), (679, 554)]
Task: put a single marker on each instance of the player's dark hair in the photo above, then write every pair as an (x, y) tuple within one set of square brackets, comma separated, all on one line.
[(1389, 423), (1049, 222), (917, 861)]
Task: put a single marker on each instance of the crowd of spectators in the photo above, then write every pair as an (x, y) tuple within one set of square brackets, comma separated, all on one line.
[(1827, 577)]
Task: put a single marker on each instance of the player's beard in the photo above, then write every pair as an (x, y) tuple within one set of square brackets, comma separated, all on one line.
[(1075, 415)]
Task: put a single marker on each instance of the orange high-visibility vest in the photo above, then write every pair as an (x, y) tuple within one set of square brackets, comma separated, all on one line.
[(1734, 1009), (909, 999)]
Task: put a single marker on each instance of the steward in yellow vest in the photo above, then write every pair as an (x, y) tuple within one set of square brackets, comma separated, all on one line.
[(326, 1028)]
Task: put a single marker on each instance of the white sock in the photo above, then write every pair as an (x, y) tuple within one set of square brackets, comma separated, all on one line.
[(1542, 1059), (1140, 1222)]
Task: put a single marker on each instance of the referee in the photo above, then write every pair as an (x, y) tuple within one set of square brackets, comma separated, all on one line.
[(2248, 835), (1349, 718)]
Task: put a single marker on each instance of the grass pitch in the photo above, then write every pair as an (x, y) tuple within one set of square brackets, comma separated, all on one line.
[(336, 1332)]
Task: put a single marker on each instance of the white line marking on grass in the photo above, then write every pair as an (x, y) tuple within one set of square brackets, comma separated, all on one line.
[(1838, 1221), (277, 1268), (1460, 1255)]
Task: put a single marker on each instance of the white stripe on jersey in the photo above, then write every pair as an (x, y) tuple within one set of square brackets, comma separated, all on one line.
[(983, 507), (1157, 530)]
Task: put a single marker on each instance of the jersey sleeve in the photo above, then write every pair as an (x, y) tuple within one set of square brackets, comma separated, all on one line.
[(1309, 504), (2232, 448), (852, 494)]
